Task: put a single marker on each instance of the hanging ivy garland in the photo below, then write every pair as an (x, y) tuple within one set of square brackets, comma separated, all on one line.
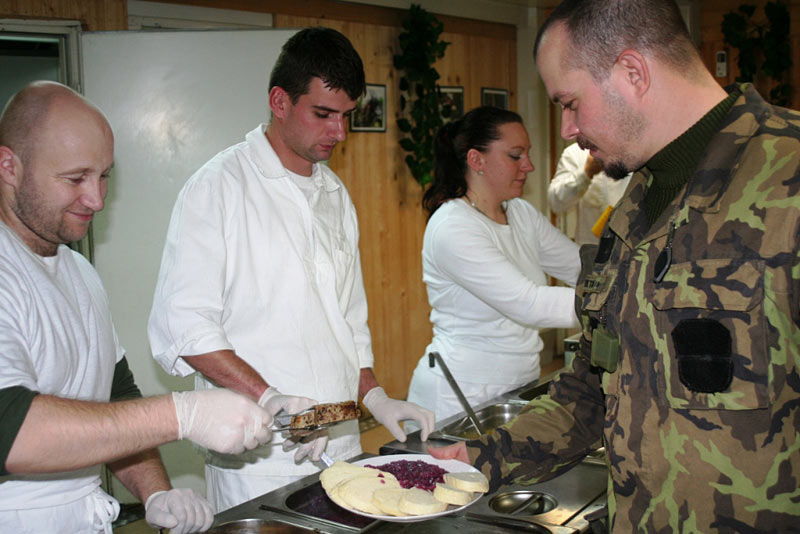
[(764, 48), (420, 115)]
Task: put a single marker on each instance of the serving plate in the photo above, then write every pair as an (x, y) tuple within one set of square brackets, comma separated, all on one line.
[(451, 466)]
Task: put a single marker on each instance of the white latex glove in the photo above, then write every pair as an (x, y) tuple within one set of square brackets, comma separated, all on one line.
[(221, 420), (274, 402), (389, 412), (181, 510), (312, 445)]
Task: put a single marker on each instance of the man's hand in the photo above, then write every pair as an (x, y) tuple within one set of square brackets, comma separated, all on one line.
[(390, 412), (309, 445), (456, 451), (592, 166), (180, 510), (221, 420), (274, 401)]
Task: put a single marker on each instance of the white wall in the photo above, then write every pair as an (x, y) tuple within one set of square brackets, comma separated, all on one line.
[(172, 105)]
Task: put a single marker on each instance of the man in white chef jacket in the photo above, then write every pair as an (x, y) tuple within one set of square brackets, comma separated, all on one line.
[(260, 288), (580, 182), (59, 354)]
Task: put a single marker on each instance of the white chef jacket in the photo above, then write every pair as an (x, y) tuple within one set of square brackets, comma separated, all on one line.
[(488, 288), (57, 338), (571, 186), (252, 266)]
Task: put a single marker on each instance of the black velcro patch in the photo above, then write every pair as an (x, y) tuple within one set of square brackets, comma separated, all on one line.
[(604, 248), (703, 348)]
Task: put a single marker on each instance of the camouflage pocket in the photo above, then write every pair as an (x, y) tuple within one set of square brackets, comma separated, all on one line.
[(594, 291), (710, 319)]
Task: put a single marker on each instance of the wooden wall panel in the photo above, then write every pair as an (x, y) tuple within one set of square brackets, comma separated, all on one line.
[(94, 15), (342, 10), (388, 199), (474, 62)]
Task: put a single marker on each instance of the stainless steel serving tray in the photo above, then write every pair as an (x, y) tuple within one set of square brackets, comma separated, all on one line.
[(490, 417)]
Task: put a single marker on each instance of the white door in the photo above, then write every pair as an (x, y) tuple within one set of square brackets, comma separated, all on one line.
[(174, 99)]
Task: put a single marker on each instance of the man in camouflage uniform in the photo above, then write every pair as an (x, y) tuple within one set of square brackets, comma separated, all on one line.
[(689, 366)]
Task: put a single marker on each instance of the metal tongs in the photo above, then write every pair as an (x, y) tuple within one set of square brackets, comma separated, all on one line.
[(283, 421), (435, 356)]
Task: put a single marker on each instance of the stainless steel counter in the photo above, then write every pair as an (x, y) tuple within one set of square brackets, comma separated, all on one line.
[(558, 506), (303, 504)]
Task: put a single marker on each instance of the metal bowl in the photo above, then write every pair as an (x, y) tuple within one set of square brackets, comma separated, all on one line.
[(490, 418), (258, 526), (523, 503)]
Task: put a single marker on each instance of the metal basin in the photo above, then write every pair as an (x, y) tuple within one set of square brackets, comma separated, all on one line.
[(490, 418), (523, 502), (258, 526), (313, 501)]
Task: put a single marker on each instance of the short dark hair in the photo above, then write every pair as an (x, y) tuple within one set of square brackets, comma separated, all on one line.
[(599, 30), (477, 129), (318, 52)]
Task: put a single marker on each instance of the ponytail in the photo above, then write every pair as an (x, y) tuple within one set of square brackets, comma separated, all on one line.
[(449, 168), (477, 129)]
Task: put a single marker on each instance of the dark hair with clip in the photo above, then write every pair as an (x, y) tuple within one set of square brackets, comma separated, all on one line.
[(477, 129)]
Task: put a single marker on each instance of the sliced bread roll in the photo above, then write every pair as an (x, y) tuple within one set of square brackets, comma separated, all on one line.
[(451, 495), (471, 481), (357, 492), (333, 493), (342, 471), (417, 501), (388, 500)]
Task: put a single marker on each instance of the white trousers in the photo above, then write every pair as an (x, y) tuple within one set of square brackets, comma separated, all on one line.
[(227, 488), (92, 514), (433, 392)]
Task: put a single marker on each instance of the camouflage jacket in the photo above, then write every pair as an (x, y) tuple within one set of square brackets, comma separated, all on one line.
[(701, 414)]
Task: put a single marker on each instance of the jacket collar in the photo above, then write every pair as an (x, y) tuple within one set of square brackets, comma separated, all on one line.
[(270, 165), (709, 181), (719, 165)]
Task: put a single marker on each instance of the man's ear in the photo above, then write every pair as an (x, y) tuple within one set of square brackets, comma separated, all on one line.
[(632, 70), (279, 101), (10, 167)]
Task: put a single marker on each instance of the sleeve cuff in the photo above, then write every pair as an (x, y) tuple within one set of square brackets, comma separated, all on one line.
[(193, 343), (15, 401)]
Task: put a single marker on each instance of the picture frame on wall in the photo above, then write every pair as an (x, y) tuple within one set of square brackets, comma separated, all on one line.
[(451, 102), (494, 97), (370, 112)]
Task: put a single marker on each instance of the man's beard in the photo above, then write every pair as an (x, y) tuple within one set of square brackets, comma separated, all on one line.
[(45, 222), (614, 169), (630, 127)]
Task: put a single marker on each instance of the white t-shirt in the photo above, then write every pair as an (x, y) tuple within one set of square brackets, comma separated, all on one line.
[(571, 186), (488, 288), (252, 266), (57, 338)]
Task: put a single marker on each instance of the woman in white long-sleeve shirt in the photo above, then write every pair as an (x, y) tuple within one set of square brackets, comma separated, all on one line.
[(486, 256)]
